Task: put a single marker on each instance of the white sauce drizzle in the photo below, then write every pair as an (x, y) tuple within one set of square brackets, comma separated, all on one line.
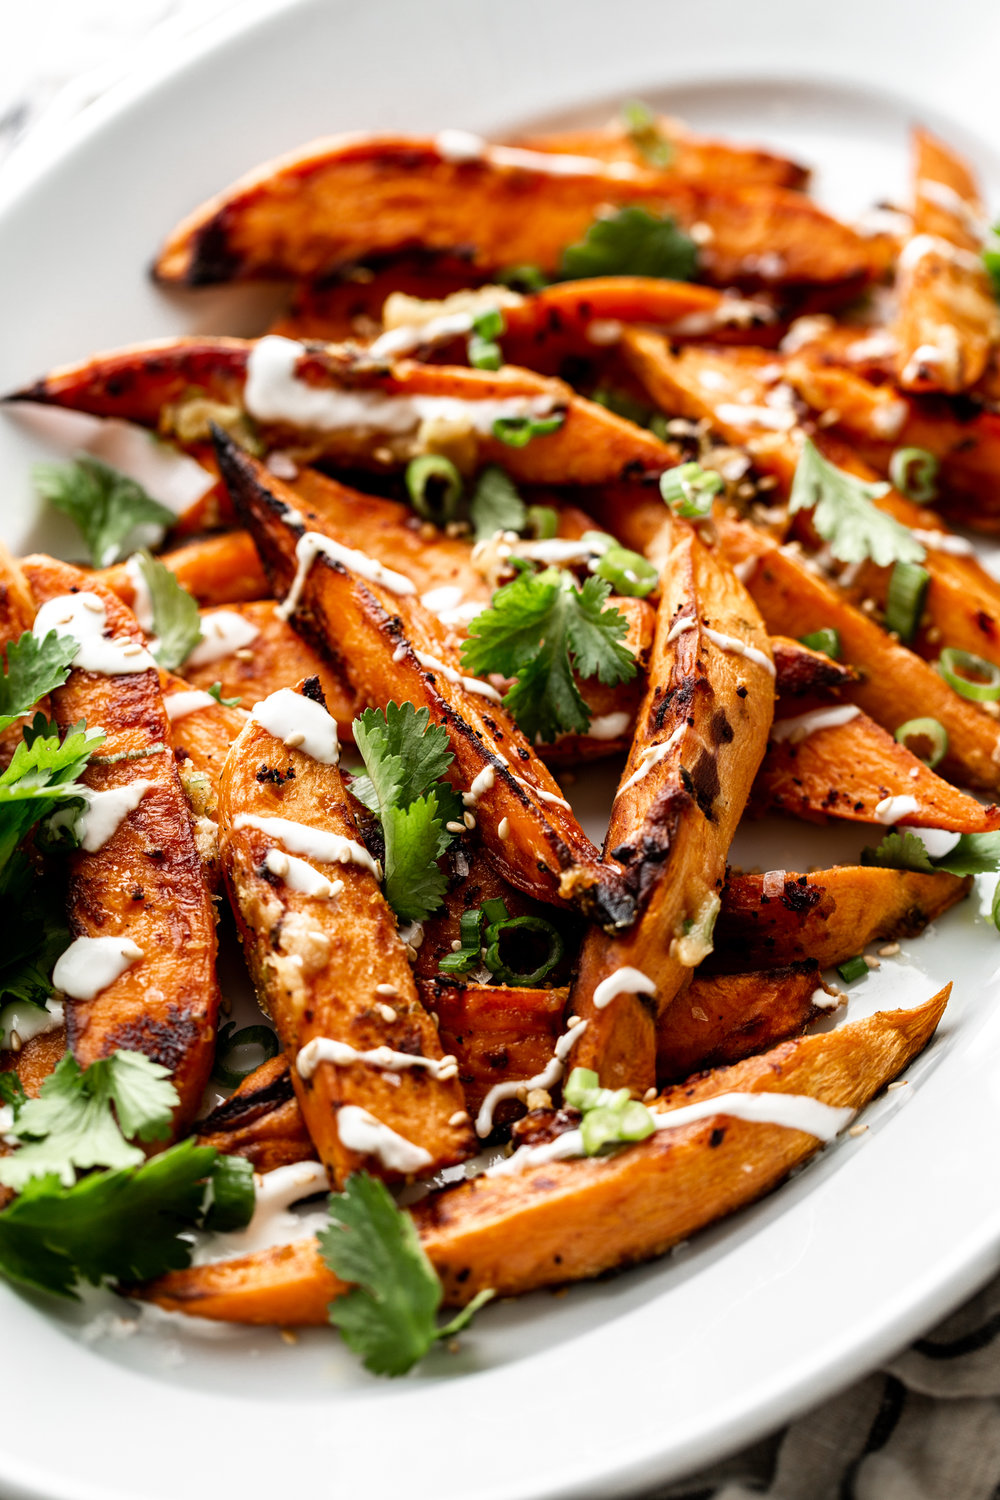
[(650, 757), (300, 724), (326, 1049), (603, 332), (315, 843), (892, 809), (359, 1131), (887, 418), (946, 198), (881, 345), (30, 1020), (179, 705), (931, 244), (300, 876), (471, 684), (937, 841), (449, 604), (823, 1000), (681, 627), (481, 784), (399, 341), (609, 726), (84, 617), (732, 312), (142, 599), (106, 811), (943, 541), (271, 1224), (624, 981), (778, 419), (461, 146), (803, 725), (309, 547), (90, 965), (562, 550), (547, 1079), (222, 633), (739, 648)]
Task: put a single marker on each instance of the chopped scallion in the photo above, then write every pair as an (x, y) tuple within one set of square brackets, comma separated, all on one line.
[(494, 910), (689, 490), (470, 928), (459, 962), (230, 1041), (852, 968), (483, 350), (499, 933), (914, 472), (541, 522), (629, 573), (905, 600), (435, 487), (826, 640), (927, 739), (645, 134), (517, 432), (970, 675)]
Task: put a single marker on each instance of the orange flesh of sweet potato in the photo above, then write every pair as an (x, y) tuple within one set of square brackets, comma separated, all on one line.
[(318, 962), (947, 323), (375, 635), (801, 672), (691, 156), (215, 569), (672, 827), (146, 883), (347, 198), (261, 1120), (17, 613), (829, 915), (846, 770), (568, 1220)]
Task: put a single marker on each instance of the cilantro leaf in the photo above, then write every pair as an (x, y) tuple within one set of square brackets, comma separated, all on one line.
[(32, 669), (41, 776), (415, 839), (35, 932), (541, 629), (405, 755), (974, 854), (904, 849), (176, 616), (495, 504), (632, 242), (389, 1317), (104, 504), (125, 1225), (215, 691), (844, 516), (901, 850), (71, 1123), (644, 132), (12, 1091)]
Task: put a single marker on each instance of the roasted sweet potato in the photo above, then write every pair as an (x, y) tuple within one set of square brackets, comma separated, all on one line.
[(856, 770), (829, 915), (702, 731), (801, 672), (215, 569), (947, 323), (145, 884), (331, 965), (566, 1220), (17, 611), (376, 634), (261, 1120), (346, 198)]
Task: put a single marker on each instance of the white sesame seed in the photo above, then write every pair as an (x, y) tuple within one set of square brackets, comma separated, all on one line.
[(456, 944), (385, 1011), (503, 829), (411, 952), (434, 1018), (278, 863), (133, 650), (288, 1335), (468, 820), (453, 827), (243, 654), (15, 1041), (294, 740), (94, 605), (872, 963), (900, 1083), (572, 1021), (698, 1013), (649, 1094), (460, 1117), (857, 1130), (889, 950), (386, 989)]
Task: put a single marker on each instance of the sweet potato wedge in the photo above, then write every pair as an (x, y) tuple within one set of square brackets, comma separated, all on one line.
[(215, 569), (848, 770), (375, 635), (261, 1120), (566, 1220), (947, 322), (709, 703), (322, 963), (828, 915), (801, 672), (346, 198), (372, 415), (145, 884), (896, 685), (17, 612)]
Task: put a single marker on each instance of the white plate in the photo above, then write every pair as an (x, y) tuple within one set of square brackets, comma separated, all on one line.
[(645, 1376)]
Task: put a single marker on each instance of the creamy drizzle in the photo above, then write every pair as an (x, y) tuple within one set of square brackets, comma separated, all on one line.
[(546, 1079), (778, 419), (481, 784), (946, 198), (300, 876), (608, 726), (300, 724), (462, 146), (625, 981), (650, 757), (891, 809), (106, 811), (314, 843), (90, 965), (739, 648), (326, 1049), (731, 312), (931, 244), (937, 841), (471, 684), (803, 725), (943, 541), (271, 1224), (449, 604), (562, 550), (359, 1131), (222, 633), (179, 705), (680, 627), (309, 547), (30, 1020), (84, 617)]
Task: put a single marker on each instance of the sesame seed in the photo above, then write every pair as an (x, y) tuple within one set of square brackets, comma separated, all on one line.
[(15, 1041), (698, 1013), (456, 944), (649, 1094), (386, 1011), (889, 950), (900, 1083), (294, 740), (767, 482), (133, 650), (460, 1117), (572, 1021), (411, 952), (434, 1018), (288, 1335), (828, 418), (872, 963), (503, 829), (453, 827), (385, 989), (243, 654), (747, 1167), (468, 820), (857, 1130), (94, 605)]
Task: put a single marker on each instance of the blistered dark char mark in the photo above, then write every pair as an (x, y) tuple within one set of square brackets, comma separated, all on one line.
[(705, 782), (167, 1042), (213, 258), (800, 896)]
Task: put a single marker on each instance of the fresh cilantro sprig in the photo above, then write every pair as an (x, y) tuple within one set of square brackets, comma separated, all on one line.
[(176, 616), (390, 1315), (610, 1116), (87, 1118), (644, 132), (495, 504), (904, 849), (215, 691), (544, 631), (105, 505), (405, 756), (35, 932), (33, 668), (991, 259), (632, 242), (844, 516), (42, 775)]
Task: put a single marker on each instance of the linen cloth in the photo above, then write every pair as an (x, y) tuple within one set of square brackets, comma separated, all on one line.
[(927, 1426)]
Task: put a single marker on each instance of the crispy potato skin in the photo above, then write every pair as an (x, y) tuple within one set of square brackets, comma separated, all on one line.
[(827, 916), (568, 1220), (146, 883), (261, 1120), (801, 672), (374, 635), (344, 199), (215, 569), (671, 830), (317, 962)]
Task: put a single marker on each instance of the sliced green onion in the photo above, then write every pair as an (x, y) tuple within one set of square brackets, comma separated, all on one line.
[(470, 929), (524, 278), (494, 910), (435, 487), (541, 522), (688, 489), (490, 323), (624, 1120), (483, 350), (459, 962), (501, 932), (645, 134), (969, 675), (924, 732), (852, 968), (914, 472), (517, 432), (826, 640), (905, 601), (628, 572), (232, 1195), (231, 1041)]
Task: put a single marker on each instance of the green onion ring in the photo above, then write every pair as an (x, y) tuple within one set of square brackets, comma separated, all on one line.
[(924, 729), (953, 664), (230, 1039), (435, 487)]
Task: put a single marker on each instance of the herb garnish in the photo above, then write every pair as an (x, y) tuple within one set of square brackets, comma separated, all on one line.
[(844, 516), (632, 242), (105, 505), (176, 616)]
